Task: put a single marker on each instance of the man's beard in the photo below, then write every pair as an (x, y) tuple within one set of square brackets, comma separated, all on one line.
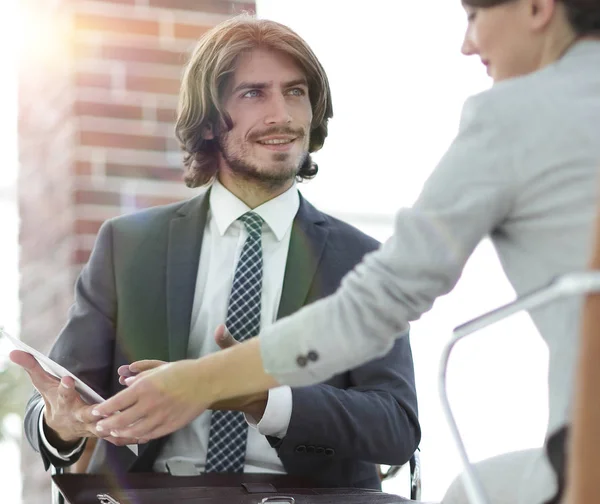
[(269, 179)]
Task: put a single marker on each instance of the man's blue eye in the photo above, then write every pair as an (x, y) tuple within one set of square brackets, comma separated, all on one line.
[(297, 92), (253, 93)]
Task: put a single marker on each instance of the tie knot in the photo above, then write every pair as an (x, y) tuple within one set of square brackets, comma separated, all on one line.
[(253, 223)]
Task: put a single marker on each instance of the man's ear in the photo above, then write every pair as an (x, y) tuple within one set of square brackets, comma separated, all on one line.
[(541, 13), (207, 132)]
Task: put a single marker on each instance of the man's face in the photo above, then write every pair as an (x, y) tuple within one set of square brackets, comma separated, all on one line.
[(267, 100)]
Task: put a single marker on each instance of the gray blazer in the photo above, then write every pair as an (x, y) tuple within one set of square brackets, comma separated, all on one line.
[(522, 170), (134, 299)]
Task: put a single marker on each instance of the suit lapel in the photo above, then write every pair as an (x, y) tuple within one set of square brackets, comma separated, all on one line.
[(186, 230), (185, 242), (307, 243)]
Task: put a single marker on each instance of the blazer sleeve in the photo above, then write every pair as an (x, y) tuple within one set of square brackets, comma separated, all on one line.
[(468, 195), (374, 419), (86, 343)]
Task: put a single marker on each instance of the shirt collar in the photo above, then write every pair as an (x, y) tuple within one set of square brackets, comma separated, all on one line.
[(277, 213)]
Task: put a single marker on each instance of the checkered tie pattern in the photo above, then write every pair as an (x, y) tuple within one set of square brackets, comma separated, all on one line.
[(228, 429)]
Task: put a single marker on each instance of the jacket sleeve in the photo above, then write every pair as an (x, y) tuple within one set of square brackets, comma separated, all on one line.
[(85, 345), (374, 419)]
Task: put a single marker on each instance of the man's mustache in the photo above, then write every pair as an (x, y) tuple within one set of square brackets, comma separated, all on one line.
[(277, 130)]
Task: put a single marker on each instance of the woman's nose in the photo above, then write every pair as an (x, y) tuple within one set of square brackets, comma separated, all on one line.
[(468, 46)]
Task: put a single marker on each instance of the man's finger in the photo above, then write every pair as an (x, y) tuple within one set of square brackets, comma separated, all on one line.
[(120, 402), (224, 338), (41, 379), (138, 430), (66, 391), (124, 371), (121, 421), (130, 381), (23, 359), (84, 414), (144, 365)]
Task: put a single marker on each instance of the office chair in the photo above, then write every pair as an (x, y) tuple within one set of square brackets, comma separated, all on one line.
[(57, 497), (564, 286), (415, 475)]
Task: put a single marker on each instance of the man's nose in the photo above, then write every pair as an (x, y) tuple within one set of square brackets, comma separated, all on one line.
[(279, 112)]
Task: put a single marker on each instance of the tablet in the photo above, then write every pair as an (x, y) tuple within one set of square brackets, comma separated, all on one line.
[(88, 394)]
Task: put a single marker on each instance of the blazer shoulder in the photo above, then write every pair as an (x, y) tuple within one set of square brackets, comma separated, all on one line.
[(348, 235), (542, 98), (152, 218)]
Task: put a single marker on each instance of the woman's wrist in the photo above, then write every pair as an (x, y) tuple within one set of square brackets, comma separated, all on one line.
[(205, 375), (233, 372)]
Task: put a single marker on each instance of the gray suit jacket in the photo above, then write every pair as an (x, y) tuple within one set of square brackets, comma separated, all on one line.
[(522, 170), (134, 299)]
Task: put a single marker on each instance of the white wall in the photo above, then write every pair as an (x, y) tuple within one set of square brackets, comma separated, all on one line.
[(398, 82)]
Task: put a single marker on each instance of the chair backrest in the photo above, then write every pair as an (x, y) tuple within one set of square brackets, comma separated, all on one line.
[(562, 287), (582, 469)]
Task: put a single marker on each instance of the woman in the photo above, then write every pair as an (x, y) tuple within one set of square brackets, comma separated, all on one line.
[(523, 169)]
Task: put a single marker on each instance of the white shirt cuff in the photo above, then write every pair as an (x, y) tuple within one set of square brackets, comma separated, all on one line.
[(63, 455), (277, 415)]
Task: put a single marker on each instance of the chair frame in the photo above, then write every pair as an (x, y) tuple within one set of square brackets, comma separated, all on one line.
[(57, 496), (415, 475), (564, 286)]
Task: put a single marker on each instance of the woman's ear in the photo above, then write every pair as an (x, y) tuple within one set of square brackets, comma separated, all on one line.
[(542, 12)]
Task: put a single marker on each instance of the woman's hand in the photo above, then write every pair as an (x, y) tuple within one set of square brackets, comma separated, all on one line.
[(157, 402)]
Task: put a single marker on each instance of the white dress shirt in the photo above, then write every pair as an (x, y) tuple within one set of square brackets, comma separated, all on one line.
[(222, 243), (224, 238)]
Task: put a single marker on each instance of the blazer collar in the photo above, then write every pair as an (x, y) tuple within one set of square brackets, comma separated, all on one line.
[(185, 233), (183, 253), (307, 243)]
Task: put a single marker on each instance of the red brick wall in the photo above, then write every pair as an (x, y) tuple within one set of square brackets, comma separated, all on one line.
[(96, 140)]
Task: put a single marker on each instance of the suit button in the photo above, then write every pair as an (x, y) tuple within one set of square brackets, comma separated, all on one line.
[(329, 452), (313, 356), (302, 361), (301, 449), (310, 450), (320, 450)]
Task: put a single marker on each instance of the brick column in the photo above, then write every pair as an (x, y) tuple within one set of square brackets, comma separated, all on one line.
[(96, 113)]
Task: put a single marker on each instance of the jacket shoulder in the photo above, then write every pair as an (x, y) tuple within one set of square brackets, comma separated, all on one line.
[(153, 218), (348, 235)]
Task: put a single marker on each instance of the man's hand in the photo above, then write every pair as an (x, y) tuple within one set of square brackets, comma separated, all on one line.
[(253, 405), (127, 373), (67, 418), (165, 399)]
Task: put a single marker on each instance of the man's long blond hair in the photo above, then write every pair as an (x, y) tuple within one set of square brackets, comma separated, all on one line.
[(205, 79)]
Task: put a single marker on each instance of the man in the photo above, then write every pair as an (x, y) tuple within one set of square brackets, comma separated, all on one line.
[(254, 103)]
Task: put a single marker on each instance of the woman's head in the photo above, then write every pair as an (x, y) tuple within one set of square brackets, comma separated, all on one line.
[(517, 37), (211, 68)]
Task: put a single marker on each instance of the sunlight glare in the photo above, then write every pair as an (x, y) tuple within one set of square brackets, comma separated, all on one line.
[(40, 35)]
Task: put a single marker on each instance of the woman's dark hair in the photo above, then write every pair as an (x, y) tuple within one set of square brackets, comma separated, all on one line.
[(584, 15)]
